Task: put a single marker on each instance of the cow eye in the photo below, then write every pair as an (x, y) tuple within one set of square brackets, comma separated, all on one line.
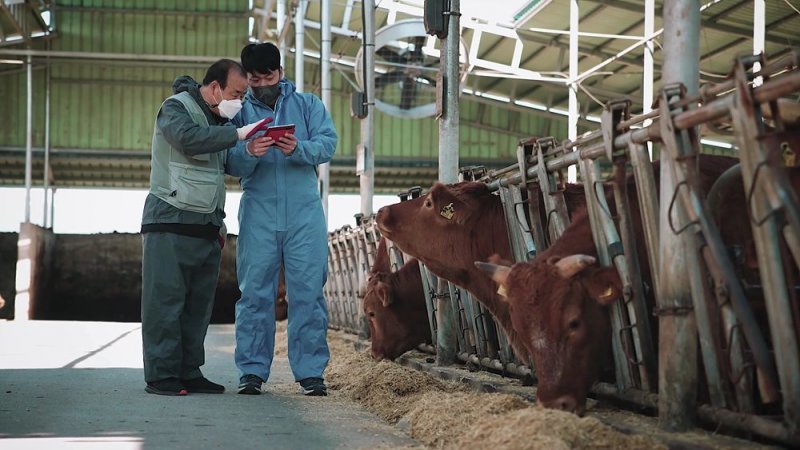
[(574, 324), (428, 203), (371, 313)]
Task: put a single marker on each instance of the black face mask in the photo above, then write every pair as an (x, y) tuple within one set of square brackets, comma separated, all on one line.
[(267, 94)]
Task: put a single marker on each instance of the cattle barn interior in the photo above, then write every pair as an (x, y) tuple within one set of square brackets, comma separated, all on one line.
[(661, 139)]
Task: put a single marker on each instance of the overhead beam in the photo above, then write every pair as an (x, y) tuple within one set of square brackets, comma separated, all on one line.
[(109, 56), (704, 23), (711, 53), (154, 12)]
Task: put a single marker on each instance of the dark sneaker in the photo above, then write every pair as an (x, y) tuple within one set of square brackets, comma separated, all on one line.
[(313, 387), (250, 384), (167, 386), (203, 386)]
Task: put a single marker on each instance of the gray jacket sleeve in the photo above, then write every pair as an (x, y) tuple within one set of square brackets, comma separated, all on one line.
[(182, 133)]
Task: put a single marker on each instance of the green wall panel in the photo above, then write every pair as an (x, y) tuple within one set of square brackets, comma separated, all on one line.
[(108, 105)]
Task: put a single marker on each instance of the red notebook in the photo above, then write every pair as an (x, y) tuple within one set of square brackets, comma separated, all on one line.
[(279, 131)]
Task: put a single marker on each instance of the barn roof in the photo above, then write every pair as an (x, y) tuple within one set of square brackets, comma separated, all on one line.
[(110, 64)]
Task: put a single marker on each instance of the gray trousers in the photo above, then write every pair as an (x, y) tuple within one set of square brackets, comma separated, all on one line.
[(179, 280)]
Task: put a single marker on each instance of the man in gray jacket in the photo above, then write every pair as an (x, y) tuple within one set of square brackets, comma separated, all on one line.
[(182, 226)]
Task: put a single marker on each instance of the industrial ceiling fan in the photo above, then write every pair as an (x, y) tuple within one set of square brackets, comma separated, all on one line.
[(406, 70)]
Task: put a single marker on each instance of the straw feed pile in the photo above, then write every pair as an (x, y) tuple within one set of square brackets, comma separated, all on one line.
[(442, 414)]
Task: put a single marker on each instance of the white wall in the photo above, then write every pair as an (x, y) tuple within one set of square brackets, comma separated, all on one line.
[(86, 211)]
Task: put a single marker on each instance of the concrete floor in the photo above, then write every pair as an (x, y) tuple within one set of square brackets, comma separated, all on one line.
[(80, 385)]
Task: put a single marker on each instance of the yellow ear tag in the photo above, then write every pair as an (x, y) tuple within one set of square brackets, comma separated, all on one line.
[(789, 159), (448, 211), (607, 293), (501, 289)]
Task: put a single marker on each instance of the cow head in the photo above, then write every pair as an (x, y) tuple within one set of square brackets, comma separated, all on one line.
[(558, 310), (448, 228), (396, 322)]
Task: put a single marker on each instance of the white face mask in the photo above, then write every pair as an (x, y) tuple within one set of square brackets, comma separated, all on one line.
[(229, 108)]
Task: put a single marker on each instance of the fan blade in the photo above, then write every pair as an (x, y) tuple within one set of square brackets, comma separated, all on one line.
[(408, 93), (388, 78), (389, 55)]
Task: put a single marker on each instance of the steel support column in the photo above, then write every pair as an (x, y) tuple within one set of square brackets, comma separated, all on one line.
[(299, 46), (367, 171), (29, 139), (648, 75), (759, 33), (281, 16), (324, 170), (448, 318), (678, 330), (448, 120), (46, 170), (572, 126)]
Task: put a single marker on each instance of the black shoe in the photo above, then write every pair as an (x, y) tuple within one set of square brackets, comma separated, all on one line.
[(250, 384), (203, 386), (167, 386), (313, 386)]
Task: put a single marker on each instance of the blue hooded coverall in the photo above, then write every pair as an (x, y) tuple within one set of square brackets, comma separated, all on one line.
[(281, 220)]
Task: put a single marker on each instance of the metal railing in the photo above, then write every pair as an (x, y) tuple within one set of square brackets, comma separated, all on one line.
[(751, 366)]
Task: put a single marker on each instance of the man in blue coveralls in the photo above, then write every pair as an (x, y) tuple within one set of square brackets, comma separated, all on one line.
[(281, 222)]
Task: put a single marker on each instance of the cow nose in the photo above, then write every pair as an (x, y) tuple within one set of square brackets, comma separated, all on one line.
[(565, 403), (377, 355)]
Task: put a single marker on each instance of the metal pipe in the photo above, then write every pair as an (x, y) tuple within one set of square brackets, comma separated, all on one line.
[(110, 56), (216, 15), (448, 119), (325, 74), (281, 16), (771, 90), (367, 175), (762, 426), (496, 364), (647, 38), (788, 61), (759, 33), (762, 198), (46, 169), (648, 75), (52, 208), (29, 140), (572, 125), (299, 46), (448, 313)]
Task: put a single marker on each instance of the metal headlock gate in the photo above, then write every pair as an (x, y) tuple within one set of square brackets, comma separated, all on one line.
[(752, 372)]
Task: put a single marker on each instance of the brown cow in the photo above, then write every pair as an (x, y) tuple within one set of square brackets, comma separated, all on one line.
[(476, 227), (449, 244), (395, 307), (558, 301)]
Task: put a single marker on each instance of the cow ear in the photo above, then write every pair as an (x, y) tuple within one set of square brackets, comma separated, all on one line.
[(382, 290), (604, 285), (498, 272)]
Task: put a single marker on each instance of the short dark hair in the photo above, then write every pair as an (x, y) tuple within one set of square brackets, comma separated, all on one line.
[(261, 58), (219, 72)]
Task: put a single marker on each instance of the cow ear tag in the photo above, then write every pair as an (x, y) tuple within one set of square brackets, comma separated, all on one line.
[(447, 211), (501, 290)]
